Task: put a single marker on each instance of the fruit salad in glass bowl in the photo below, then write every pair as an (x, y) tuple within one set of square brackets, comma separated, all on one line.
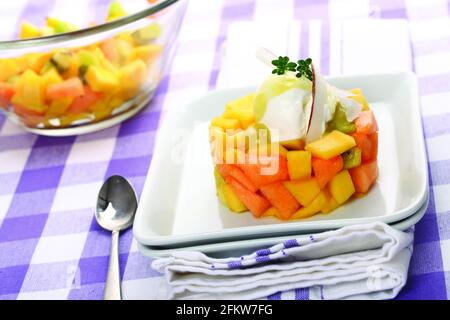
[(58, 76), (296, 147)]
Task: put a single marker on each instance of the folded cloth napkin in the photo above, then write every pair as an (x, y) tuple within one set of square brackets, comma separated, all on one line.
[(367, 261)]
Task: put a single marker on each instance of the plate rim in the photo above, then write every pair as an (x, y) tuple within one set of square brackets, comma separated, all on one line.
[(147, 251), (161, 240)]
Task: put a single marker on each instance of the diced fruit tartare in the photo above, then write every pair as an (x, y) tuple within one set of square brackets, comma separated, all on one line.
[(57, 88), (296, 147)]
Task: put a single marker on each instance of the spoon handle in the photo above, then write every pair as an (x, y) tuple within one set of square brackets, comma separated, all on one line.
[(112, 286)]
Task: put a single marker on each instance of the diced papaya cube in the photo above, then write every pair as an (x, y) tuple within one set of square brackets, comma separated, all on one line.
[(331, 145), (314, 207), (225, 123), (233, 171), (359, 97), (100, 79), (364, 176), (364, 144), (303, 190), (281, 199), (264, 170), (109, 49), (341, 186), (295, 144), (85, 101), (374, 141), (271, 212), (299, 164), (253, 201), (70, 88), (6, 92), (325, 170), (366, 122), (330, 203), (232, 200)]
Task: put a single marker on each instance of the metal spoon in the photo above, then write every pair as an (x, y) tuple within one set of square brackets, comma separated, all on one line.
[(116, 206)]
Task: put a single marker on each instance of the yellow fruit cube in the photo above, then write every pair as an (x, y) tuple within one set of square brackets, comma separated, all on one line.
[(359, 97), (225, 123), (341, 186), (299, 164), (101, 79), (295, 144), (233, 202), (59, 106), (305, 191), (30, 92), (28, 30), (246, 117), (8, 68), (133, 75), (330, 203), (331, 145), (51, 77), (315, 207), (147, 53), (245, 102), (271, 212)]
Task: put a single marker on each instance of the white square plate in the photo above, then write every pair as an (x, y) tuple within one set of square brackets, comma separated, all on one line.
[(179, 206)]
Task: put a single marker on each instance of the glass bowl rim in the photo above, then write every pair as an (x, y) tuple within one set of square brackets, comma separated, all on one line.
[(107, 26)]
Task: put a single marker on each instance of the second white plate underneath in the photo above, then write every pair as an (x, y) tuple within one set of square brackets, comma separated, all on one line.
[(243, 247)]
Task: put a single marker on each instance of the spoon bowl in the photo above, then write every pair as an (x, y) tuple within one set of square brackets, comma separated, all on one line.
[(116, 207), (116, 204)]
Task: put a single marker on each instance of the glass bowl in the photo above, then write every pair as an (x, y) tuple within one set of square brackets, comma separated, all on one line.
[(89, 79)]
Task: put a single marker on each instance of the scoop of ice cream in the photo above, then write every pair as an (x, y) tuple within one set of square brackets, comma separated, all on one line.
[(283, 104)]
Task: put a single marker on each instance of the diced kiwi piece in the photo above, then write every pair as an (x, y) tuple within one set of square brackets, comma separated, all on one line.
[(115, 10), (47, 66), (340, 123), (352, 158), (82, 72), (147, 34), (61, 61)]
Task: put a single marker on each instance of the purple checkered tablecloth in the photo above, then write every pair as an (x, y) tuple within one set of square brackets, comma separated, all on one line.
[(50, 244)]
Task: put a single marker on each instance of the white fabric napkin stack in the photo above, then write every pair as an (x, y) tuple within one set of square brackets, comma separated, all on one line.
[(356, 262)]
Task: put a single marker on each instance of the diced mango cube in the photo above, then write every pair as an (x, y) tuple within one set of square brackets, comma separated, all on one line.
[(303, 190), (30, 92), (147, 53), (299, 164), (314, 207), (331, 145), (8, 68), (246, 117), (226, 123), (295, 144), (341, 186), (233, 202), (51, 77), (330, 203), (271, 212), (360, 98), (100, 79), (133, 75), (28, 30), (245, 102)]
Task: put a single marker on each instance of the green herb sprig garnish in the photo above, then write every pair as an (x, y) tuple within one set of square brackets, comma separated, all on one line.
[(302, 67)]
